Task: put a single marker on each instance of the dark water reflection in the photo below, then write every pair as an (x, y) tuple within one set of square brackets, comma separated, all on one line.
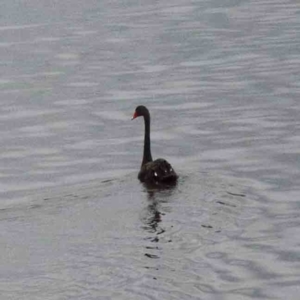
[(222, 83), (151, 215)]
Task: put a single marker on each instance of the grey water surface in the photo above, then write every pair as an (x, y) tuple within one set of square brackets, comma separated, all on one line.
[(222, 82)]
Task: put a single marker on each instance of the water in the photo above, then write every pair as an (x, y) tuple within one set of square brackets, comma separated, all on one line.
[(222, 83)]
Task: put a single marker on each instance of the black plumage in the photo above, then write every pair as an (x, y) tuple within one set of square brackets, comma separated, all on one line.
[(158, 171)]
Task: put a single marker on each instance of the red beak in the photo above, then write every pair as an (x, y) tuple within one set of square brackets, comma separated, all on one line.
[(134, 115)]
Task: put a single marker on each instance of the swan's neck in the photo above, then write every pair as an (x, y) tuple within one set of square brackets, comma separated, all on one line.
[(147, 157)]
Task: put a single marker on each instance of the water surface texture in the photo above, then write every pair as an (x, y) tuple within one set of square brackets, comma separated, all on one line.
[(222, 82)]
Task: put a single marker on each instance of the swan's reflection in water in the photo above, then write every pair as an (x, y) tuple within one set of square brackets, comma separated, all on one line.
[(152, 216)]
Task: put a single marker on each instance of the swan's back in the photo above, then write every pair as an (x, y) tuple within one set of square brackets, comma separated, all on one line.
[(158, 171)]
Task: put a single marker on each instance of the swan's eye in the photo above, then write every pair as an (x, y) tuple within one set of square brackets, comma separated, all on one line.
[(155, 174)]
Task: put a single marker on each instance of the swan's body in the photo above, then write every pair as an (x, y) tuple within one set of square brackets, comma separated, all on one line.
[(158, 171)]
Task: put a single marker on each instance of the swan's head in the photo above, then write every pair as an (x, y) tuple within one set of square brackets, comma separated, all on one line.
[(140, 111)]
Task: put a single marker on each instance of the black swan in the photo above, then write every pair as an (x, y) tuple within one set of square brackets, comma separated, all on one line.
[(158, 171)]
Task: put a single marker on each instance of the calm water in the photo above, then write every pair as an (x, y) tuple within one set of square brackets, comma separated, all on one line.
[(222, 82)]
